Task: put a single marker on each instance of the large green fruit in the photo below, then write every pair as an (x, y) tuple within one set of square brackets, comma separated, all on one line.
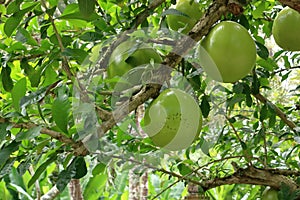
[(129, 55), (286, 29), (269, 194), (228, 52), (173, 120), (190, 13)]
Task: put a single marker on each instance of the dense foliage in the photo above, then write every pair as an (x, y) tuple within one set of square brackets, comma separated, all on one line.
[(62, 119)]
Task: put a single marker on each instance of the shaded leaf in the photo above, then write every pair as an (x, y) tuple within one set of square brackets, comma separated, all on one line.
[(18, 92), (6, 151), (205, 107), (262, 51), (7, 82), (33, 97), (77, 168), (77, 54), (63, 179), (27, 135), (42, 168), (86, 7)]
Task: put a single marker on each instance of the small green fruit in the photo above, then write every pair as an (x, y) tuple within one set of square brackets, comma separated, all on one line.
[(269, 194), (286, 29), (173, 120), (190, 14), (129, 55), (228, 52)]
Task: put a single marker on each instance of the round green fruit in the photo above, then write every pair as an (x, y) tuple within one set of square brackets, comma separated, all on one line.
[(129, 55), (286, 29), (173, 120), (190, 13), (228, 53), (269, 194)]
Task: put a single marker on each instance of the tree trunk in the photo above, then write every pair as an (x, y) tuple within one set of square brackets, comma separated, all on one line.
[(138, 184), (75, 189)]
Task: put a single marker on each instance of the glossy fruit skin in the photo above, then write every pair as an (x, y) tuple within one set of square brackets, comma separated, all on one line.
[(193, 12), (129, 55), (286, 29), (173, 120), (269, 194), (228, 52)]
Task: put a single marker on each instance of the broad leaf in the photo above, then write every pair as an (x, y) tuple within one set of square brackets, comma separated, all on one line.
[(42, 168), (18, 92), (60, 112), (27, 135), (77, 168), (6, 151), (86, 7), (6, 79)]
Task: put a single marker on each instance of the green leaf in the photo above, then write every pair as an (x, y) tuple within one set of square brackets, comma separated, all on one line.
[(6, 151), (173, 11), (77, 168), (249, 100), (99, 169), (95, 186), (3, 131), (25, 37), (86, 7), (18, 92), (12, 23), (63, 179), (31, 133), (13, 7), (32, 98), (16, 178), (255, 85), (258, 11), (262, 51), (19, 190), (263, 113), (60, 112), (7, 82), (183, 169), (205, 107), (42, 168), (77, 54)]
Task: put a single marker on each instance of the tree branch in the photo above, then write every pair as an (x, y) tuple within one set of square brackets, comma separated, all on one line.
[(252, 176), (51, 194), (295, 4), (78, 147), (286, 69)]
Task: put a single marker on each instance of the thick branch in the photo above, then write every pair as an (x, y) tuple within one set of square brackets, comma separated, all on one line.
[(252, 176), (51, 194), (278, 112), (295, 4)]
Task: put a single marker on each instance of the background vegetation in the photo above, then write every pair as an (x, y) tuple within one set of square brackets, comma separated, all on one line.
[(57, 143)]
